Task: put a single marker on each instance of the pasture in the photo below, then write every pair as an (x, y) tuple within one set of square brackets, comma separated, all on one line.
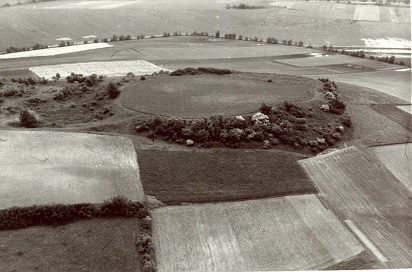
[(176, 177), (357, 187), (396, 160), (42, 167), (89, 245), (206, 95), (258, 235), (111, 69)]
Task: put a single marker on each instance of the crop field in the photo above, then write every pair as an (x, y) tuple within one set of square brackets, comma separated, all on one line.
[(175, 177), (373, 203), (65, 168), (258, 235), (89, 245), (113, 68), (396, 159), (206, 95)]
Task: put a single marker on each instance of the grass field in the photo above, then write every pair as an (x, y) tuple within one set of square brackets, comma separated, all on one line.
[(65, 168), (89, 245), (111, 69), (376, 206), (260, 235), (206, 95), (396, 159), (175, 177)]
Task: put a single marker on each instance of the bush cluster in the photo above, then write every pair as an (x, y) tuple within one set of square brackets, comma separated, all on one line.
[(37, 46), (335, 105), (89, 81), (230, 36), (272, 40), (200, 71), (195, 33)]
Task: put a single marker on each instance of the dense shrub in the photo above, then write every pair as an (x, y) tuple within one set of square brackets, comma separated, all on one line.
[(336, 106), (112, 90), (28, 119)]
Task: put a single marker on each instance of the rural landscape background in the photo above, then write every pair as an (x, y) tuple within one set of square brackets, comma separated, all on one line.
[(210, 135)]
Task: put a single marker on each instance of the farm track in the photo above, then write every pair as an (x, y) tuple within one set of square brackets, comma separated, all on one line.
[(357, 187)]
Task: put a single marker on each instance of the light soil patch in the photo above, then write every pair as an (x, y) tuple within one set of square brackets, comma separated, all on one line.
[(40, 167), (357, 187), (89, 245), (205, 95), (392, 13), (366, 13), (55, 51), (107, 68), (288, 233), (397, 159)]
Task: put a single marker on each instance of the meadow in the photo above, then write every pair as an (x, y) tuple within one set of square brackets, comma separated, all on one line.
[(258, 235)]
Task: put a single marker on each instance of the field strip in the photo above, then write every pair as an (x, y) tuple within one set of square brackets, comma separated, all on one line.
[(394, 19), (366, 241), (41, 167), (396, 159), (55, 51), (109, 68), (285, 233), (366, 13)]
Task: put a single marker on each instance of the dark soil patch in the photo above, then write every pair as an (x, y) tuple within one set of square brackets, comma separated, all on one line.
[(176, 177)]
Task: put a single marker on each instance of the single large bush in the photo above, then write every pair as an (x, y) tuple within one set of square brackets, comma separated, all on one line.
[(112, 90), (28, 119)]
